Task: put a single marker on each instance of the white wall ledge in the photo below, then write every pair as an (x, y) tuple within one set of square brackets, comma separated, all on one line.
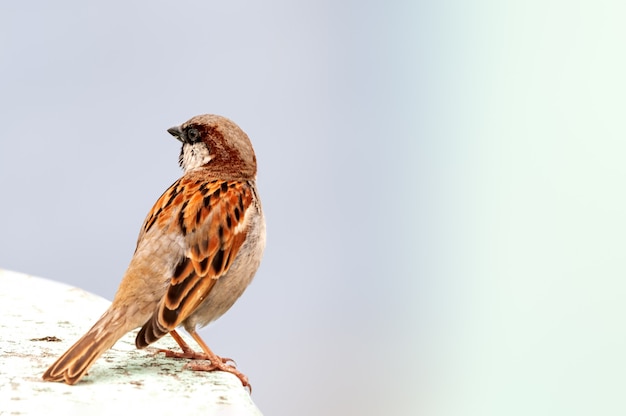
[(37, 313)]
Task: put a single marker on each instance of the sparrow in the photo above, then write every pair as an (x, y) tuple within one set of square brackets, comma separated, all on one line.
[(198, 249)]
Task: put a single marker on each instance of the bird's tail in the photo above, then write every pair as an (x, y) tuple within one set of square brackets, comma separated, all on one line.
[(75, 362)]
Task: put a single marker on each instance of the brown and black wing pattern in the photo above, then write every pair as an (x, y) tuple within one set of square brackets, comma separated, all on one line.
[(211, 219)]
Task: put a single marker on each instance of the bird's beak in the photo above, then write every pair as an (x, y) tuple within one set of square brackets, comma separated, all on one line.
[(176, 132)]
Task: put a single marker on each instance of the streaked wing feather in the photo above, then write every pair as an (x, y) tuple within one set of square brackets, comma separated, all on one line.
[(211, 220)]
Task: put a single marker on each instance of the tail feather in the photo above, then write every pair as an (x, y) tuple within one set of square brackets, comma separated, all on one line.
[(75, 362), (150, 332)]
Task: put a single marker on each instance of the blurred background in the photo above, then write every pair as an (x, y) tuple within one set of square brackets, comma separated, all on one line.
[(443, 184)]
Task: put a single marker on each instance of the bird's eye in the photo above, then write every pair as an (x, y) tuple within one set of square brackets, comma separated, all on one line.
[(193, 135)]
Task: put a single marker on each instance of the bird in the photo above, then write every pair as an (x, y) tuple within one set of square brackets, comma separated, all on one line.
[(198, 249)]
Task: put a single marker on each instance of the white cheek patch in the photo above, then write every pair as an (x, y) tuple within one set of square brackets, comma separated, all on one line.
[(194, 156)]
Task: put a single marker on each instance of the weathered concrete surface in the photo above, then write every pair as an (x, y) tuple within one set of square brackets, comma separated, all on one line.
[(40, 319)]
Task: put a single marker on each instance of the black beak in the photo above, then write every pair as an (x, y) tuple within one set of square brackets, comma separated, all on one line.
[(176, 132)]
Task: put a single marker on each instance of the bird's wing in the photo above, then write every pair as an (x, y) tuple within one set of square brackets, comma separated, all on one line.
[(211, 217)]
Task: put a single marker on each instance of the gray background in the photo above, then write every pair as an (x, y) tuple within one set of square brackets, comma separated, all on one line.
[(443, 185)]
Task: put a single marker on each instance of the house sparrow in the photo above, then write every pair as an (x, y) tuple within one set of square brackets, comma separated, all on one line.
[(197, 251)]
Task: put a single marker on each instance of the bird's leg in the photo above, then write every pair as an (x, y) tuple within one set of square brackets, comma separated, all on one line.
[(187, 352), (216, 362)]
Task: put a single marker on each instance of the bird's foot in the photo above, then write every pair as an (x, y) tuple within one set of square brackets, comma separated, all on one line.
[(206, 360), (216, 363), (194, 355)]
